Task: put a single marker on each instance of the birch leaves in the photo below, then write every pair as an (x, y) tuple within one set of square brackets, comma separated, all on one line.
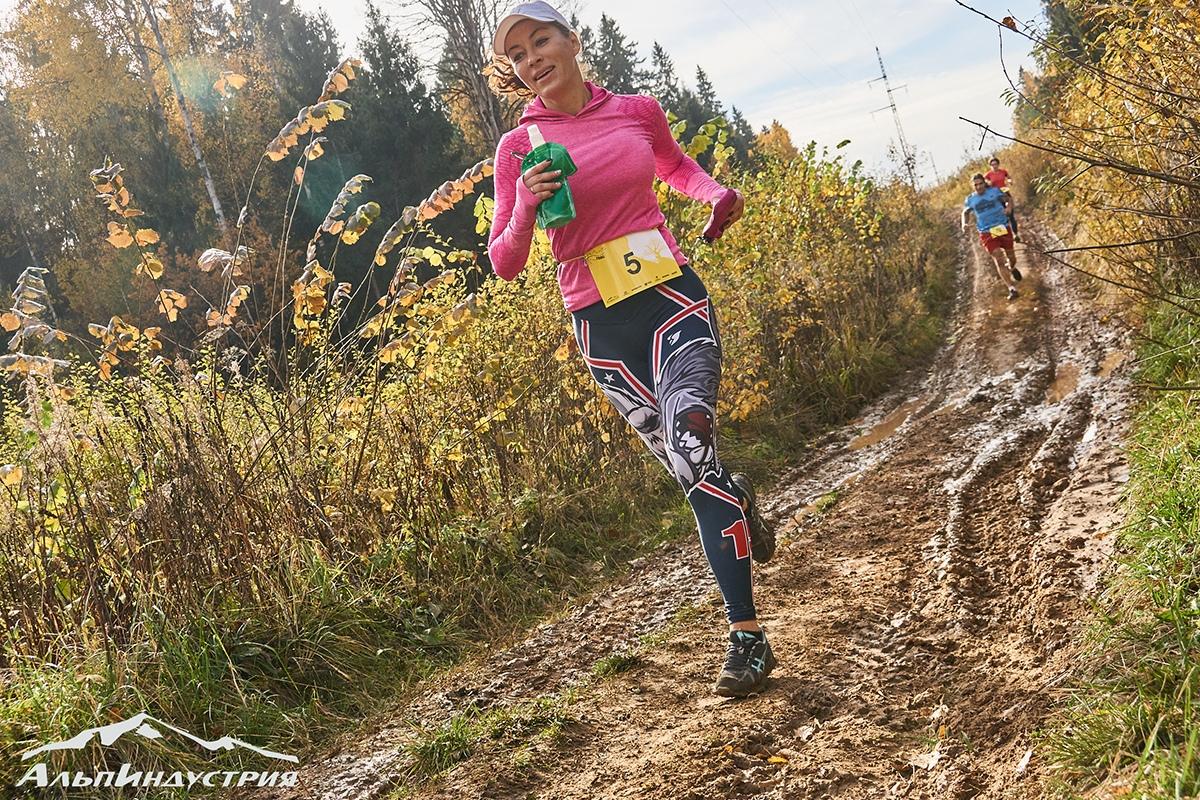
[(315, 118)]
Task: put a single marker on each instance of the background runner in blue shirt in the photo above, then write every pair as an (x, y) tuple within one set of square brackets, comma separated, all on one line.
[(990, 206)]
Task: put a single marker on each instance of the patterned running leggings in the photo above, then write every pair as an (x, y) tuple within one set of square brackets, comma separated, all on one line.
[(657, 356)]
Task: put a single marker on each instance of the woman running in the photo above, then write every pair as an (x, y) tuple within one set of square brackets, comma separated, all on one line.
[(642, 317)]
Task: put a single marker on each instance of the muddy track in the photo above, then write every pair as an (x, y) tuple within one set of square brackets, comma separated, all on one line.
[(922, 619)]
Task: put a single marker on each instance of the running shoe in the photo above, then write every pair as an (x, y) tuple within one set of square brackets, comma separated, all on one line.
[(1012, 293), (748, 662), (1016, 273), (762, 535)]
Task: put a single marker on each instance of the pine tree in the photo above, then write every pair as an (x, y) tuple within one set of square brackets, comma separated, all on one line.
[(402, 137), (615, 59), (707, 95), (663, 83), (298, 50), (587, 37), (741, 135)]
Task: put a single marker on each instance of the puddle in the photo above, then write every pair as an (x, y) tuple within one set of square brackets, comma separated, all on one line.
[(887, 426), (1111, 361), (1066, 378)]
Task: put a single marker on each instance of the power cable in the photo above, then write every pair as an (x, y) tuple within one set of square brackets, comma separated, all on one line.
[(832, 68), (782, 57)]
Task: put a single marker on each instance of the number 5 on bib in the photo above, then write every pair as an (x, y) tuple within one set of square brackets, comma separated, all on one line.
[(630, 263)]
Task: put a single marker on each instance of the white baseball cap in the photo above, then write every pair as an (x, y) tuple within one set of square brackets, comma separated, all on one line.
[(539, 10)]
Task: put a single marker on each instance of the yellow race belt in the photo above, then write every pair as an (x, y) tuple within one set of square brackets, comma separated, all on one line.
[(628, 264)]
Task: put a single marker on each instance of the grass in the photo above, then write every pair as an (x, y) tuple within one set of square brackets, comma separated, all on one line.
[(625, 660), (1131, 724), (825, 502), (615, 664), (519, 729)]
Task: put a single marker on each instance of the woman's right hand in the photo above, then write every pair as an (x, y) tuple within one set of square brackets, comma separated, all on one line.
[(541, 181)]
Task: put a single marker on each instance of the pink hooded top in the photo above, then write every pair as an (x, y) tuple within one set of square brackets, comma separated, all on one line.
[(619, 143)]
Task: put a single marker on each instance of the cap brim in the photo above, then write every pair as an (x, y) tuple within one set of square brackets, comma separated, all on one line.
[(506, 25)]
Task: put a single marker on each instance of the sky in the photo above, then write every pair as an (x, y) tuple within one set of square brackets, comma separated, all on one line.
[(808, 63)]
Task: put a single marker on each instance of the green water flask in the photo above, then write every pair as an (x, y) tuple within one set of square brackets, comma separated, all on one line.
[(558, 209)]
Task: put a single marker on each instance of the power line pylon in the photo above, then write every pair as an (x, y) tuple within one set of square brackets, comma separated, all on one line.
[(907, 155)]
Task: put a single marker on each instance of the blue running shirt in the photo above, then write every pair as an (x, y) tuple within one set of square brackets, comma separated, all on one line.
[(988, 208)]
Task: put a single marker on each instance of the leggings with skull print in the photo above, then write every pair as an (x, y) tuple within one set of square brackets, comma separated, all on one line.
[(657, 357)]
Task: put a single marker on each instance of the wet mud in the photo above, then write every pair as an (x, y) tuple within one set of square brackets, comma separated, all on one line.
[(937, 558)]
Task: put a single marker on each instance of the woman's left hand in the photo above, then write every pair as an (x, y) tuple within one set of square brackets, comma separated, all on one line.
[(739, 206), (727, 209)]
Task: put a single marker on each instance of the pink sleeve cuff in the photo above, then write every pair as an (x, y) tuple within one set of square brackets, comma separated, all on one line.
[(525, 207)]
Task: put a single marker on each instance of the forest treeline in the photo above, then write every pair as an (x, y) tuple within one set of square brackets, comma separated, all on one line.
[(186, 94)]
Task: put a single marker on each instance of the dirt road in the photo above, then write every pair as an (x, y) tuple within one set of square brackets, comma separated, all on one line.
[(922, 615)]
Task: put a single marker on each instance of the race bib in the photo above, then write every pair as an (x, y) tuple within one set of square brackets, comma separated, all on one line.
[(998, 230), (630, 263)]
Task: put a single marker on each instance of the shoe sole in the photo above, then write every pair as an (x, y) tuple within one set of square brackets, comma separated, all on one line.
[(733, 691), (767, 542), (1016, 274)]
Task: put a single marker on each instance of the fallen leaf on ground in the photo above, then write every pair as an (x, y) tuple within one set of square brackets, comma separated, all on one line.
[(927, 760)]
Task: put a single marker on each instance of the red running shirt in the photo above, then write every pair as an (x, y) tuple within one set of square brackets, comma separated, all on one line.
[(998, 178)]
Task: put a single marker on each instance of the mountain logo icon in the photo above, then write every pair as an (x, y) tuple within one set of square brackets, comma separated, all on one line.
[(148, 727)]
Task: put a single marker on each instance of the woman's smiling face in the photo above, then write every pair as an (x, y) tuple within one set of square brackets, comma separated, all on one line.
[(541, 54)]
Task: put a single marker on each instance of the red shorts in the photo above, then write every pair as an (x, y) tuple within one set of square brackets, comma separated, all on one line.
[(992, 243)]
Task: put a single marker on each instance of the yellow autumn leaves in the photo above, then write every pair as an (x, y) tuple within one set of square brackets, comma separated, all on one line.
[(117, 337), (315, 118), (226, 317), (335, 220), (228, 83), (110, 189), (309, 300), (339, 78), (311, 292), (122, 233), (120, 237), (24, 321), (309, 119), (11, 474), (446, 196)]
